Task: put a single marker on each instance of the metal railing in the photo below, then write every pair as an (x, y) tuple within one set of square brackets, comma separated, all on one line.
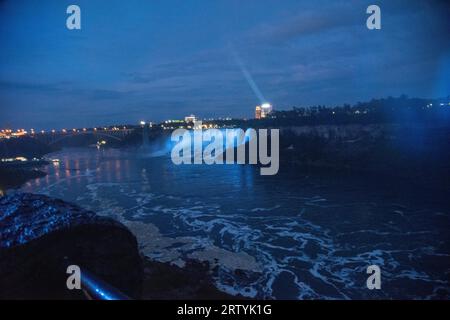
[(97, 289)]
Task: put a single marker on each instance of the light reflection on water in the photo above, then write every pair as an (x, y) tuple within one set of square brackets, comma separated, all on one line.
[(311, 236)]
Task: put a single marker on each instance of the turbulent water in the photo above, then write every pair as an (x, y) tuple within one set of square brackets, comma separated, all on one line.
[(289, 236)]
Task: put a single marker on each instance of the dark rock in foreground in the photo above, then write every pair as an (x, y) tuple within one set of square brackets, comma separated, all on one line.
[(39, 235)]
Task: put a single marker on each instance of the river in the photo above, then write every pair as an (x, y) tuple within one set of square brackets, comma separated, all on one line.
[(295, 235)]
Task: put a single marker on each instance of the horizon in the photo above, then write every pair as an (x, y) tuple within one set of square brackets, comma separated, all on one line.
[(217, 117)]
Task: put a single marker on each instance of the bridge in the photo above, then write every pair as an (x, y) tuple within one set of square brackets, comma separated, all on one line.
[(54, 137)]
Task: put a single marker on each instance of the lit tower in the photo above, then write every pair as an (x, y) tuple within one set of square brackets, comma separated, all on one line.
[(258, 112), (263, 110), (190, 118)]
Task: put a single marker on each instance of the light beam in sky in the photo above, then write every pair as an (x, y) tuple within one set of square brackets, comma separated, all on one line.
[(248, 76)]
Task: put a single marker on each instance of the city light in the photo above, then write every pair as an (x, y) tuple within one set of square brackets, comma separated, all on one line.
[(190, 118), (263, 111), (21, 159)]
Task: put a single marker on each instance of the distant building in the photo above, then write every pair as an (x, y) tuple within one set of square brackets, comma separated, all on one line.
[(263, 111), (258, 112), (190, 118)]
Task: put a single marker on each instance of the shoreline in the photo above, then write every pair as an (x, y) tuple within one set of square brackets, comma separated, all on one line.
[(14, 178)]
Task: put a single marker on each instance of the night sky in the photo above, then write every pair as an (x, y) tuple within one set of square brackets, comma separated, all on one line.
[(157, 60)]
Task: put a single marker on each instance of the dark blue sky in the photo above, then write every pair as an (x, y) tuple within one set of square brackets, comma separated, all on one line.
[(165, 59)]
